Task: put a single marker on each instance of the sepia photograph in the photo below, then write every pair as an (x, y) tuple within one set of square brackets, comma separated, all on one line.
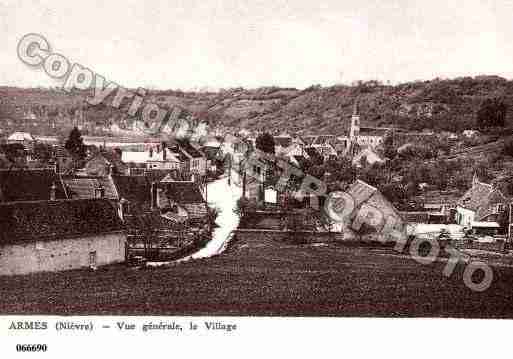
[(239, 161)]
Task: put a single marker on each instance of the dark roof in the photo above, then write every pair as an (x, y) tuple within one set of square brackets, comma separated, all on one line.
[(190, 149), (373, 131), (309, 140), (135, 189), (178, 153), (47, 220), (211, 152), (313, 153), (182, 192), (29, 185)]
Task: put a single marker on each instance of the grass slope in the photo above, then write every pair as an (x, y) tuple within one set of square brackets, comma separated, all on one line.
[(265, 278)]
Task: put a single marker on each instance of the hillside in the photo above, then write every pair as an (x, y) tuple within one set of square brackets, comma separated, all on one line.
[(436, 104)]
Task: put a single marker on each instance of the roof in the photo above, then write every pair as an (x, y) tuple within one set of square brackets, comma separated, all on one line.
[(190, 149), (182, 192), (373, 131), (84, 187), (481, 198), (361, 191), (47, 220), (314, 155), (135, 189), (325, 139), (476, 195), (211, 152), (309, 140), (485, 224), (135, 156), (29, 185), (21, 136)]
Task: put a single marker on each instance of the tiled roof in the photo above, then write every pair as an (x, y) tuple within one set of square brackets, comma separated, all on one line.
[(190, 149), (29, 185), (476, 196), (360, 191), (84, 187), (481, 198), (46, 220)]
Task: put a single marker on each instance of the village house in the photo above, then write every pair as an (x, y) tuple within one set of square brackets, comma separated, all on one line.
[(157, 157), (177, 201), (197, 162), (365, 194), (89, 187), (214, 157), (59, 235), (480, 207), (181, 199)]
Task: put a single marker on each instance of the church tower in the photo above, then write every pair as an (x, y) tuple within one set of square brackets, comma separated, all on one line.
[(354, 132)]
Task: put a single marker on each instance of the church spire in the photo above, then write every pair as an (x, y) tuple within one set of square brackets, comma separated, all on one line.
[(356, 108)]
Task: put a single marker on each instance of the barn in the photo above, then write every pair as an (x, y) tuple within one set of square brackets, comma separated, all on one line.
[(40, 236)]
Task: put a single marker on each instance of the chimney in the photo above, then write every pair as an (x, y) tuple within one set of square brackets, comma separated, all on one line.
[(164, 150), (56, 167), (53, 191), (99, 192), (153, 196)]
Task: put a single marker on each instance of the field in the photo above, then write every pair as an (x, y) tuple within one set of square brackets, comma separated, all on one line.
[(265, 278)]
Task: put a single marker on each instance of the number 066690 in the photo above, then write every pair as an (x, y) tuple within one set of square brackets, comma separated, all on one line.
[(31, 348)]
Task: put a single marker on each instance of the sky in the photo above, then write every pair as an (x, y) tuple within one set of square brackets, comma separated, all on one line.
[(212, 44)]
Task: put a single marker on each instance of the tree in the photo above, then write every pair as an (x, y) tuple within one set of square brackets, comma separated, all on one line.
[(492, 113), (43, 152), (389, 146), (265, 143), (75, 144)]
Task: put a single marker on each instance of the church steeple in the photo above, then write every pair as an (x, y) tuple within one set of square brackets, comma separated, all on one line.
[(355, 123), (356, 108)]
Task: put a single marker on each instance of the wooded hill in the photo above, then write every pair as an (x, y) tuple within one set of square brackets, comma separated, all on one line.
[(437, 104)]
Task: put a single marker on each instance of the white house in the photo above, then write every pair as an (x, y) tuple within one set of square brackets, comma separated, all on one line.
[(481, 203)]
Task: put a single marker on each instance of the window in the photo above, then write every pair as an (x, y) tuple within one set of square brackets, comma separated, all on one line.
[(501, 207)]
